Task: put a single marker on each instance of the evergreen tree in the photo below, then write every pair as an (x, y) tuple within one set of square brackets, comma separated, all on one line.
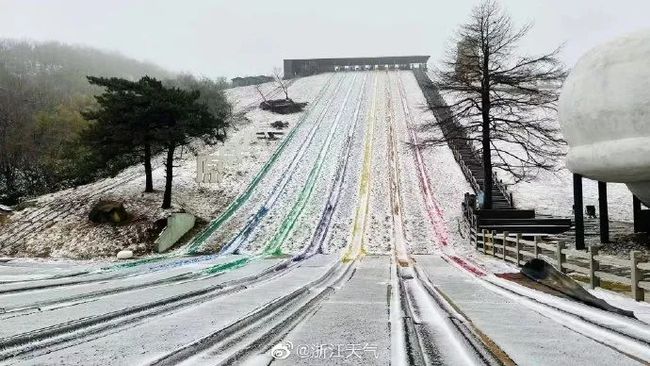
[(144, 116), (179, 117), (122, 126)]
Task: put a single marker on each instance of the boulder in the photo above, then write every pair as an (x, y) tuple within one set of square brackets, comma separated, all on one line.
[(108, 212), (125, 254), (280, 125), (5, 210)]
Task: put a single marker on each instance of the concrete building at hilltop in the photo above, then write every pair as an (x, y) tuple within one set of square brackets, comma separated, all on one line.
[(305, 67)]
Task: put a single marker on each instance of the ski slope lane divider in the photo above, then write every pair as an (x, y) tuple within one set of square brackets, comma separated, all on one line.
[(318, 238), (400, 248), (274, 245), (433, 208), (242, 237), (355, 244), (244, 196)]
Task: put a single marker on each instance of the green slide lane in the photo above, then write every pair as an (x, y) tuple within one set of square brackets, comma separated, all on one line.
[(274, 246), (244, 196)]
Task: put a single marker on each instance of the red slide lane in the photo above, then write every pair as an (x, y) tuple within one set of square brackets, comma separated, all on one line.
[(434, 210)]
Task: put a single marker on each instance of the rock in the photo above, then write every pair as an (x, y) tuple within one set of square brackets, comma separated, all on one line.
[(125, 254), (282, 106), (108, 212), (5, 209), (279, 125)]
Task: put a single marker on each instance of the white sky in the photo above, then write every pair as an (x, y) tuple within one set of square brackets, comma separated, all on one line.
[(243, 37)]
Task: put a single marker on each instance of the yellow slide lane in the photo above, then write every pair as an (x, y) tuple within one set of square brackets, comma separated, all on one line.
[(356, 246)]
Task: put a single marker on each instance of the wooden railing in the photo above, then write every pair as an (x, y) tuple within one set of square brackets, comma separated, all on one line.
[(588, 264), (503, 189), (465, 169)]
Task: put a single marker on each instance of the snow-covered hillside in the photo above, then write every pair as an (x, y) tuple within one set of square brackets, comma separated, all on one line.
[(56, 225)]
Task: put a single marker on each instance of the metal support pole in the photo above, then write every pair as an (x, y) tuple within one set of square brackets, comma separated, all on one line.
[(578, 211), (604, 214), (636, 208)]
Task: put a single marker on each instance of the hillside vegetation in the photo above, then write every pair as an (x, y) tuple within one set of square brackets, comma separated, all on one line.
[(44, 91)]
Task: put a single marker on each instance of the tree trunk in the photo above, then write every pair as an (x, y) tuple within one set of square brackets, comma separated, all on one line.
[(10, 184), (485, 114), (148, 185), (169, 165), (487, 163)]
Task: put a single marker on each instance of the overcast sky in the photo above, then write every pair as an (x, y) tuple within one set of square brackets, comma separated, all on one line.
[(244, 37)]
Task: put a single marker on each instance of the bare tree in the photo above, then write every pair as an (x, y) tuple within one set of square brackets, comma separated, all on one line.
[(281, 82), (501, 104), (259, 91)]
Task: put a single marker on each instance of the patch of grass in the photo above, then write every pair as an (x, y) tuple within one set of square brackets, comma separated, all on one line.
[(25, 204), (608, 285)]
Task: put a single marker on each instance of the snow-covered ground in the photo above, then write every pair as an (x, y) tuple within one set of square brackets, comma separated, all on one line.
[(57, 223), (551, 193), (252, 306)]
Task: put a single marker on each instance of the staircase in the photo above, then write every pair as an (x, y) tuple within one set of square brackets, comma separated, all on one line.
[(503, 217), (465, 154)]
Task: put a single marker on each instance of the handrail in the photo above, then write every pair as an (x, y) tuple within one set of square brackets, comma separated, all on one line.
[(434, 99), (630, 272)]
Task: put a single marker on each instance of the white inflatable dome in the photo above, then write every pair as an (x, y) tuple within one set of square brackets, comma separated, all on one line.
[(605, 114)]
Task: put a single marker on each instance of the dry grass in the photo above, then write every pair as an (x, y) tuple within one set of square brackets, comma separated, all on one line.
[(608, 285)]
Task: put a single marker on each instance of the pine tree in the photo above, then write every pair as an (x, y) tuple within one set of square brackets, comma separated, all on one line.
[(145, 116), (122, 125)]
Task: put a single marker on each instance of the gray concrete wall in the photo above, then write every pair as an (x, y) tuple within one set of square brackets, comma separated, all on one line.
[(177, 225), (305, 67)]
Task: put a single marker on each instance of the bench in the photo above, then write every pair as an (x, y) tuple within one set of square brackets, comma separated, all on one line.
[(269, 135)]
